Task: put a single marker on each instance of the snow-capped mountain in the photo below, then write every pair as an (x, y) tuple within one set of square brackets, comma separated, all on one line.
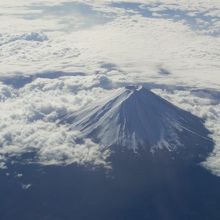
[(135, 117)]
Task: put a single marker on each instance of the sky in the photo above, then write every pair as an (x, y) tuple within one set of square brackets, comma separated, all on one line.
[(57, 56)]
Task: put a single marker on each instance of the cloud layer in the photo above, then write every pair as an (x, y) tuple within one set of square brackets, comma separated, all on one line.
[(29, 124), (56, 56)]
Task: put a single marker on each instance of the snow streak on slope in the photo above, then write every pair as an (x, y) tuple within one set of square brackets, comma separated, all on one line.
[(135, 117)]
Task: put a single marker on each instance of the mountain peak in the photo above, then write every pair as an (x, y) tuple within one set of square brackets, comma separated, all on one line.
[(133, 88), (134, 92), (134, 117)]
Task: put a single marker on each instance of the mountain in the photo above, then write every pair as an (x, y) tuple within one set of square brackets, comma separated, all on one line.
[(136, 118)]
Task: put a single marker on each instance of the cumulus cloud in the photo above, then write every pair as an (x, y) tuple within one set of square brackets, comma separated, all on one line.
[(33, 36), (48, 144), (147, 43), (6, 92), (30, 125)]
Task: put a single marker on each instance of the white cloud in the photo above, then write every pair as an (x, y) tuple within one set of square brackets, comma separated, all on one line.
[(147, 46), (6, 92), (25, 186), (33, 36), (51, 145), (102, 47), (30, 123)]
